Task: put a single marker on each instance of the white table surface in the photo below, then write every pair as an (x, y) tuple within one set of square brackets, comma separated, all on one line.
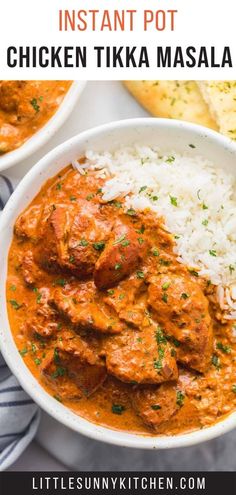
[(100, 102), (103, 102)]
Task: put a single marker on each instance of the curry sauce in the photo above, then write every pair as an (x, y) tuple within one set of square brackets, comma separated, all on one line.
[(107, 319), (25, 107)]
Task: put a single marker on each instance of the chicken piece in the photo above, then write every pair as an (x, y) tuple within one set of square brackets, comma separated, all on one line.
[(133, 316), (73, 369), (182, 309), (85, 309), (88, 235), (44, 323), (30, 271), (54, 225), (10, 95), (16, 99), (128, 300), (27, 223), (186, 415), (155, 405), (137, 357), (120, 257), (41, 327), (78, 238)]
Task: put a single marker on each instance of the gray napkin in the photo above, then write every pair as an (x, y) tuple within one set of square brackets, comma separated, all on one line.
[(19, 416)]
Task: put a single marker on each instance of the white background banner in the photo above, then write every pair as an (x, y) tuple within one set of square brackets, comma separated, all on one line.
[(206, 25)]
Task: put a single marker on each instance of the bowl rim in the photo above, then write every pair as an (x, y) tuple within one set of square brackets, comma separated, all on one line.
[(58, 411), (47, 131)]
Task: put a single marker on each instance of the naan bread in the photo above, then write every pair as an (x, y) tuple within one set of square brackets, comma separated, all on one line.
[(173, 99), (220, 97)]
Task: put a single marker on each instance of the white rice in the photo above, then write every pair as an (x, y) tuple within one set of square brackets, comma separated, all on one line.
[(196, 199)]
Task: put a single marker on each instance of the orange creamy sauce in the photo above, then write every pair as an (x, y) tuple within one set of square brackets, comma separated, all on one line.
[(154, 357), (25, 107)]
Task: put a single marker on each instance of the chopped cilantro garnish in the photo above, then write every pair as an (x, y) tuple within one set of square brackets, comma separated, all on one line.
[(99, 246), (165, 297), (215, 361), (170, 159), (155, 251), (158, 362), (140, 240), (35, 105), (89, 197), (125, 243), (224, 348), (175, 342), (15, 304), (173, 201), (156, 407), (141, 230), (33, 347), (38, 298), (231, 269), (193, 272), (184, 295), (60, 281), (117, 409), (131, 212), (119, 240), (164, 262), (117, 204), (23, 352), (56, 356), (160, 337), (143, 188), (111, 292), (60, 371), (180, 398), (58, 398), (212, 252), (166, 285), (83, 243), (140, 274)]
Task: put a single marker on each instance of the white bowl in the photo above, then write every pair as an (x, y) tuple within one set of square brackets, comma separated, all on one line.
[(43, 135), (169, 134)]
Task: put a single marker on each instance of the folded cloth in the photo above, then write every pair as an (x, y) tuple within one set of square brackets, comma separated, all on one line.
[(19, 416)]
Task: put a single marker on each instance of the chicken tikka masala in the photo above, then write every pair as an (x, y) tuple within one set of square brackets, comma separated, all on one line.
[(25, 107), (108, 320)]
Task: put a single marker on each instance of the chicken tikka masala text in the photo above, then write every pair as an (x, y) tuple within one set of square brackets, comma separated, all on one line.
[(109, 321), (25, 107)]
